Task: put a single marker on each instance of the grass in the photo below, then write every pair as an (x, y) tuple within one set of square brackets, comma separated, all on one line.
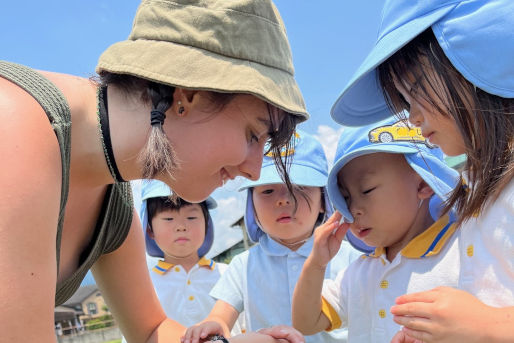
[(115, 341)]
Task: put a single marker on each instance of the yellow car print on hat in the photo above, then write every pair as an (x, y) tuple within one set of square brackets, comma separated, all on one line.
[(399, 131)]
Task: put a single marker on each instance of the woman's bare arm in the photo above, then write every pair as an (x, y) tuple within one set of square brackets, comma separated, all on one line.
[(123, 278), (30, 184)]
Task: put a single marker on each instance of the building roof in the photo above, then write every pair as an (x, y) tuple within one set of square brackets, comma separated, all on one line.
[(80, 295)]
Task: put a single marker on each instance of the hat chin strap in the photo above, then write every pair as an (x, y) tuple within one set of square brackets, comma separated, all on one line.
[(293, 244), (179, 257)]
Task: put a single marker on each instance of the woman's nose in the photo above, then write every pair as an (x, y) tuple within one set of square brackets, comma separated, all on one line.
[(251, 166)]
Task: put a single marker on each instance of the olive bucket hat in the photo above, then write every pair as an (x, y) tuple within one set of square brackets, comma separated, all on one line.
[(236, 46)]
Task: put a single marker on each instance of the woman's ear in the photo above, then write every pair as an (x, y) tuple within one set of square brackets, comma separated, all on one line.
[(424, 190), (184, 100)]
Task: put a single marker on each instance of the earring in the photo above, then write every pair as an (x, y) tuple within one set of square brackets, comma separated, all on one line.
[(181, 108)]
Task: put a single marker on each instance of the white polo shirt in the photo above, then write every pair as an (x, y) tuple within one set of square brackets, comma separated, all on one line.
[(487, 252), (261, 282), (184, 296), (362, 295)]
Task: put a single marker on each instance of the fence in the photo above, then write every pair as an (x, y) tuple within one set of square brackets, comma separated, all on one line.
[(95, 336)]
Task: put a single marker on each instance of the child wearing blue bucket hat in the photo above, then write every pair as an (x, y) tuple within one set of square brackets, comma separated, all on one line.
[(449, 63), (261, 281), (384, 182), (179, 233)]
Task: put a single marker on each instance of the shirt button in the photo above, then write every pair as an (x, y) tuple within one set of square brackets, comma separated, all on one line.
[(191, 298), (188, 282), (384, 284), (177, 269), (469, 250), (294, 268), (382, 313)]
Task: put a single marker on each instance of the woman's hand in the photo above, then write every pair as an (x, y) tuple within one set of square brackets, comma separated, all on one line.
[(449, 315)]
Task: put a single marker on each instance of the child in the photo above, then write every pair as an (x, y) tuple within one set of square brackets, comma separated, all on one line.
[(180, 233), (261, 281), (385, 189), (450, 63)]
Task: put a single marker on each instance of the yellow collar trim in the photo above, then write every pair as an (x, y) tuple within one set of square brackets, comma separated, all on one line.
[(428, 243), (205, 262), (163, 267)]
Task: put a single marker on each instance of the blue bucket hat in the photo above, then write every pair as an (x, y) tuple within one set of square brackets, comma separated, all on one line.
[(308, 168), (395, 137), (477, 36), (157, 189)]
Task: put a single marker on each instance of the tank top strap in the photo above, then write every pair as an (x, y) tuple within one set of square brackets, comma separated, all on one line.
[(56, 108)]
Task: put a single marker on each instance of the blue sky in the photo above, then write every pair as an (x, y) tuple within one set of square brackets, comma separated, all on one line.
[(328, 38)]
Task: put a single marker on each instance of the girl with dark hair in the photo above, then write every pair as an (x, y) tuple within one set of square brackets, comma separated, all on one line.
[(190, 98)]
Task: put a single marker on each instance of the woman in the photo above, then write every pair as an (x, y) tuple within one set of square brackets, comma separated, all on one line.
[(190, 99)]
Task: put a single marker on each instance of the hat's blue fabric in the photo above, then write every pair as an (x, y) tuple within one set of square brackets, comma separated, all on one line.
[(157, 189), (308, 168), (477, 36), (396, 137)]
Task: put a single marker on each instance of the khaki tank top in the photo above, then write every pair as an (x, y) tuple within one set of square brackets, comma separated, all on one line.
[(115, 217)]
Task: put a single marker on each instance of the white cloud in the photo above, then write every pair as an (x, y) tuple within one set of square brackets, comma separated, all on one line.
[(229, 210), (328, 136)]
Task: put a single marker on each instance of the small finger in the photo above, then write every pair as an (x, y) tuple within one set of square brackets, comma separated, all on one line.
[(418, 336)]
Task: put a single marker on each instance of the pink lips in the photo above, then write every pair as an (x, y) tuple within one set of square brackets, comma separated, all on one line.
[(363, 232), (284, 219), (181, 240), (428, 136)]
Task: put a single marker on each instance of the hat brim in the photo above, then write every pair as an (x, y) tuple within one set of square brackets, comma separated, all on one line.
[(164, 62), (362, 102), (298, 174)]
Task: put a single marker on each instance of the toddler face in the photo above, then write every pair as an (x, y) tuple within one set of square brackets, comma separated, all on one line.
[(381, 191), (275, 210), (179, 233)]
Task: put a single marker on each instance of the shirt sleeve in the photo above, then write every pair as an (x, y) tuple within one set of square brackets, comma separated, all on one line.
[(333, 303), (229, 287)]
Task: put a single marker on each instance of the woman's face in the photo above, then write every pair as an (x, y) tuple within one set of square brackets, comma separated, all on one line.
[(213, 147)]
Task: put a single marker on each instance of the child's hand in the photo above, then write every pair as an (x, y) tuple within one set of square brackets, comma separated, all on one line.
[(402, 337), (200, 332), (442, 315), (283, 332), (327, 240)]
